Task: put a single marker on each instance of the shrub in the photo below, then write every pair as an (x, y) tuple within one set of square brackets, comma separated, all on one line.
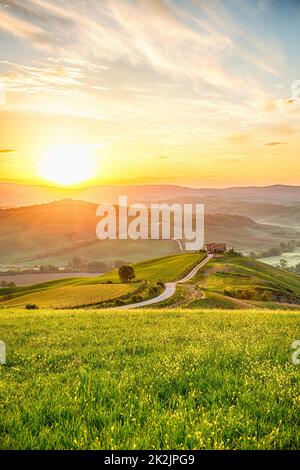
[(227, 292), (153, 290), (248, 294), (31, 307), (137, 298)]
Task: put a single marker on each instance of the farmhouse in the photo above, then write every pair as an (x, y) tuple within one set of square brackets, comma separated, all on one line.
[(216, 248)]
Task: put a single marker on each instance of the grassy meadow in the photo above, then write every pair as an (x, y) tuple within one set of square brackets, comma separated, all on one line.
[(149, 379)]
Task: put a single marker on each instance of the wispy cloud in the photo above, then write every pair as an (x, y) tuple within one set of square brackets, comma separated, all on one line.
[(150, 33), (246, 45), (275, 143), (78, 63), (7, 150), (51, 78), (32, 21), (18, 27), (29, 79)]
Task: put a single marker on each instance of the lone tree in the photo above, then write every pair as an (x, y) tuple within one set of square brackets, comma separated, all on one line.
[(126, 273)]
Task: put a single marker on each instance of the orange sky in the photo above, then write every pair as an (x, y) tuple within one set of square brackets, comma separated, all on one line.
[(152, 91)]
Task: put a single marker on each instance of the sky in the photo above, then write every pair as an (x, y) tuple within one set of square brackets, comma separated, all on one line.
[(193, 92)]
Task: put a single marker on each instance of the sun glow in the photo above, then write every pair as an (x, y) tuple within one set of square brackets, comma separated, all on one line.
[(67, 164)]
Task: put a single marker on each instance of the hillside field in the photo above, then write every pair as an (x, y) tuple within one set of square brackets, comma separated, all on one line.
[(168, 268), (82, 291), (230, 282), (149, 379), (240, 282), (71, 296)]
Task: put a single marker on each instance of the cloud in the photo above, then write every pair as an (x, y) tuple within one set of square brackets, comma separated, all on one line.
[(32, 79), (146, 64), (149, 33), (245, 44), (287, 103), (7, 150), (50, 78), (294, 100), (45, 29), (19, 28), (78, 63), (275, 143)]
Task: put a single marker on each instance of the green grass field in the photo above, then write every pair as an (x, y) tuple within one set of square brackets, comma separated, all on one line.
[(240, 282), (71, 296), (180, 379), (168, 268)]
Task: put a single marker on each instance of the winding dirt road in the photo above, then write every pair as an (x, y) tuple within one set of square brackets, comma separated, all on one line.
[(170, 287)]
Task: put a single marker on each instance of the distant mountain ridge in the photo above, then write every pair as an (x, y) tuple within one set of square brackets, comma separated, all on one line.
[(16, 195)]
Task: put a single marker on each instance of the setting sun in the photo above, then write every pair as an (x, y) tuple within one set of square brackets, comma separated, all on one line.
[(67, 164)]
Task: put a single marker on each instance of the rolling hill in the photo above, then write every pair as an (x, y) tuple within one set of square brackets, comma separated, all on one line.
[(283, 214), (240, 282), (53, 233)]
